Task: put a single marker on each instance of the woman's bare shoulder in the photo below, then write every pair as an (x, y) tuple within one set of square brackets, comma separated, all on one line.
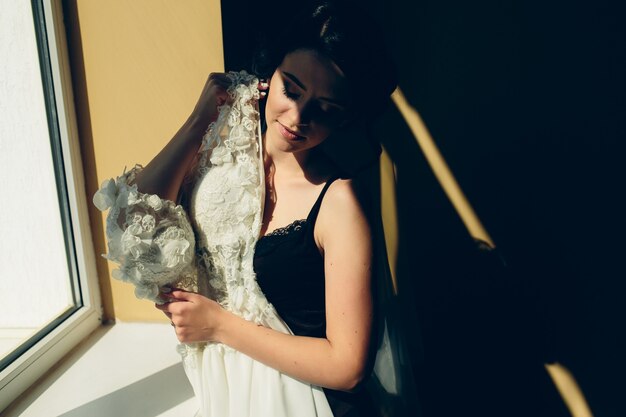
[(340, 212), (340, 191)]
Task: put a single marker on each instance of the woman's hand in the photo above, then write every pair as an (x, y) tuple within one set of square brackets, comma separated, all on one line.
[(213, 95), (195, 317)]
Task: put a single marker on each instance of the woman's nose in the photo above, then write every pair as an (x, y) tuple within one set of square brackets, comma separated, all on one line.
[(301, 113)]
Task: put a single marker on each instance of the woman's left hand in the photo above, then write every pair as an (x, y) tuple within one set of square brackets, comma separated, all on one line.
[(195, 317)]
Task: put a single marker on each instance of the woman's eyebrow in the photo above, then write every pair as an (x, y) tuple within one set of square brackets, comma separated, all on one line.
[(295, 80), (339, 103)]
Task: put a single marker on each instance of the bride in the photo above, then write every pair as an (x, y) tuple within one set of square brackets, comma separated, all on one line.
[(300, 342)]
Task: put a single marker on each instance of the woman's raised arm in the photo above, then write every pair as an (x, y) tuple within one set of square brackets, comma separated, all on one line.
[(164, 174)]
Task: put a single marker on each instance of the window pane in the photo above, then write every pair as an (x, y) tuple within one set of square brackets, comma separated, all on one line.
[(35, 269)]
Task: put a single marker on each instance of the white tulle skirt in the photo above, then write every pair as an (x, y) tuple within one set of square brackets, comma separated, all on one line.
[(228, 383)]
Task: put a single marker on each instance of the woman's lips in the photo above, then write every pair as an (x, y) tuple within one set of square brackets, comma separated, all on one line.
[(288, 134)]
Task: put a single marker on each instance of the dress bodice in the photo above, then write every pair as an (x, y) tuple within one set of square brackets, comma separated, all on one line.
[(290, 271)]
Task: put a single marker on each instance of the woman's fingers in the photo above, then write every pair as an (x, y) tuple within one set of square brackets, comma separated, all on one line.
[(218, 84), (219, 78), (163, 308), (214, 94), (181, 295), (195, 316), (175, 295)]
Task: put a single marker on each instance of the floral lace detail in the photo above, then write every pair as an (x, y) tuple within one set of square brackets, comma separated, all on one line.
[(150, 238), (285, 230), (157, 244), (227, 201)]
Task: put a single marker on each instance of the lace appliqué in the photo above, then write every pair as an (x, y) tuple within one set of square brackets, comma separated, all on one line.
[(150, 238), (294, 226), (226, 203), (277, 237), (211, 251)]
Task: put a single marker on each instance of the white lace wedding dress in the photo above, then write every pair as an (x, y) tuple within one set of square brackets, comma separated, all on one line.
[(210, 250)]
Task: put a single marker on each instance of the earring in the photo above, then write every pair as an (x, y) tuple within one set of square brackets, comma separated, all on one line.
[(263, 86)]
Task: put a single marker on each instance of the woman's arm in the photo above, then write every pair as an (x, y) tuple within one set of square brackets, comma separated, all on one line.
[(337, 361), (164, 174)]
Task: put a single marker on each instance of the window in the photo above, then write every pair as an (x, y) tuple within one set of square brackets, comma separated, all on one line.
[(49, 299)]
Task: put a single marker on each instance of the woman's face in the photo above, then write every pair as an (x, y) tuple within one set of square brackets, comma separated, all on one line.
[(308, 99)]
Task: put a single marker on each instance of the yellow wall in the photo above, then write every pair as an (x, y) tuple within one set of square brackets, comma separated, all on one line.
[(138, 68)]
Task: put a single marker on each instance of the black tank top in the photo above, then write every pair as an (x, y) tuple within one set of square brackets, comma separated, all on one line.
[(290, 272)]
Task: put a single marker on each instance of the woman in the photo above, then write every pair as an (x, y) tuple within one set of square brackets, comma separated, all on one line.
[(314, 253)]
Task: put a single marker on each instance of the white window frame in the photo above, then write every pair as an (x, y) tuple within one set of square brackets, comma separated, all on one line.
[(36, 361)]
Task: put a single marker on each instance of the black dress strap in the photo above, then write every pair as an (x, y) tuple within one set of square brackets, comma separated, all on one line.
[(316, 207)]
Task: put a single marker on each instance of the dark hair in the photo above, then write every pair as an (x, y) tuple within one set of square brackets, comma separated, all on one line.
[(343, 32)]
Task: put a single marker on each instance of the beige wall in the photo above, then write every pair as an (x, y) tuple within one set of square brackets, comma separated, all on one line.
[(138, 67)]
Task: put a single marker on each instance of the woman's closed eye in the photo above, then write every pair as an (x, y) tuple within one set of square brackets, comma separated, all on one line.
[(323, 110), (288, 93)]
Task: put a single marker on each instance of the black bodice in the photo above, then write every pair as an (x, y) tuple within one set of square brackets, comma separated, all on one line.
[(290, 271)]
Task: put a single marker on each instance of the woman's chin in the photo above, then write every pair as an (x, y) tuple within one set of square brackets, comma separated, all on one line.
[(285, 144)]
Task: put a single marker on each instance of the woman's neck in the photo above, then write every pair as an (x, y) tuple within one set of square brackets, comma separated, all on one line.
[(285, 165), (311, 165)]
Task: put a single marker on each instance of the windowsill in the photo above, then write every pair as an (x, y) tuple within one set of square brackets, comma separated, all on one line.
[(126, 369)]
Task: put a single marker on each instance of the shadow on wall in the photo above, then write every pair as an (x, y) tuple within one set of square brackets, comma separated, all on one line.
[(526, 102)]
